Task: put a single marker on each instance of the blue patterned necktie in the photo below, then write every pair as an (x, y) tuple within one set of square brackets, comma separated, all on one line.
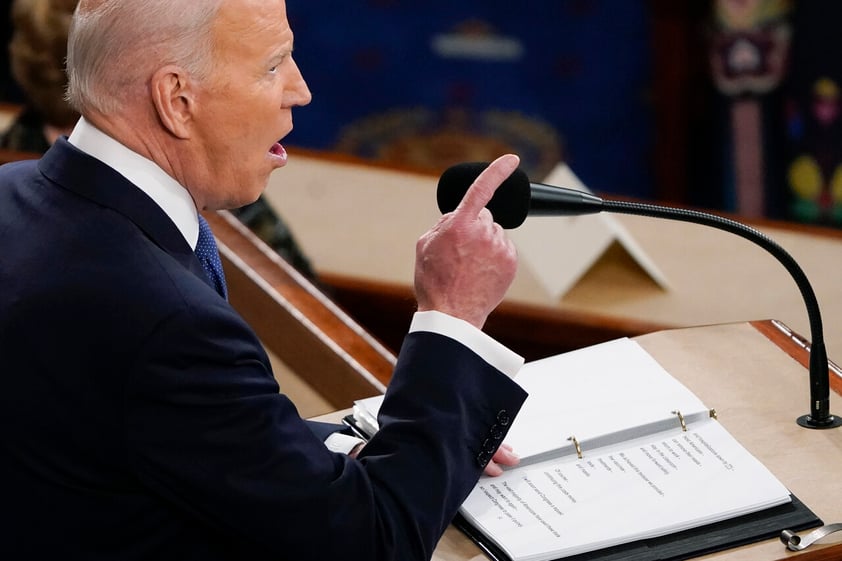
[(208, 256)]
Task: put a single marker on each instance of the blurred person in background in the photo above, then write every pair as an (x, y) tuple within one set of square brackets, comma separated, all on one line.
[(36, 55)]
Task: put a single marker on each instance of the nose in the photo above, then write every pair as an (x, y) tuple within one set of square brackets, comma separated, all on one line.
[(297, 93)]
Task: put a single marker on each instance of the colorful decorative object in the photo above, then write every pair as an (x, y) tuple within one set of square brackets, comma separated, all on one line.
[(749, 58)]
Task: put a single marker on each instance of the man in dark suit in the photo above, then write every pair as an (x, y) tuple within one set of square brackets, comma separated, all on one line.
[(139, 415)]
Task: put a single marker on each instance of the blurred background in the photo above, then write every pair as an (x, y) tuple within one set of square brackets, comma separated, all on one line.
[(731, 105)]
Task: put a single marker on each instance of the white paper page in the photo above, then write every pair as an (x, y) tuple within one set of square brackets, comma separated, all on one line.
[(593, 392), (564, 176), (651, 487), (559, 250), (365, 413), (604, 393)]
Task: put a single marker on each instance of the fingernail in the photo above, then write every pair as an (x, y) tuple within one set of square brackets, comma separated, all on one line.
[(493, 470)]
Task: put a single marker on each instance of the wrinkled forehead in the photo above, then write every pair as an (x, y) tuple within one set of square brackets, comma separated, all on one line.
[(245, 15), (261, 25)]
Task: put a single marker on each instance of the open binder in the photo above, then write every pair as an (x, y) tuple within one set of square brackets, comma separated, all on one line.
[(734, 532), (614, 403)]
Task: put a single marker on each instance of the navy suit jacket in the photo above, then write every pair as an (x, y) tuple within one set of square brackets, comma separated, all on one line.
[(139, 417)]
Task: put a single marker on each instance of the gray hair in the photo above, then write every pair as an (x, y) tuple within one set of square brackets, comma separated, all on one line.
[(114, 46)]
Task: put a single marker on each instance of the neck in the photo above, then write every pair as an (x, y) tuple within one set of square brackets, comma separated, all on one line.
[(138, 135)]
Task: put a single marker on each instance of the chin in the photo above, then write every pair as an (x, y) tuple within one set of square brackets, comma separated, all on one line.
[(238, 197), (246, 197)]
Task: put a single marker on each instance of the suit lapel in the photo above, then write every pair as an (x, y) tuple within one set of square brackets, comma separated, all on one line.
[(75, 171)]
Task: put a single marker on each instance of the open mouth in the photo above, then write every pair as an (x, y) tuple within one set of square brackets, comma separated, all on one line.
[(279, 151)]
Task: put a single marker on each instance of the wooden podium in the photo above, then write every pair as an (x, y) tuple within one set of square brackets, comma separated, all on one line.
[(754, 375)]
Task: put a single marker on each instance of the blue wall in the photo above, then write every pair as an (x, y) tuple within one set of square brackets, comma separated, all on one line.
[(433, 83)]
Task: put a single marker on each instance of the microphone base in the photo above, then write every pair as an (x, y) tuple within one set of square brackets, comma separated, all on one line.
[(810, 422)]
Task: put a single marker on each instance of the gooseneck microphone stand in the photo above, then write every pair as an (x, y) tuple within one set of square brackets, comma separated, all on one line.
[(819, 416), (517, 198)]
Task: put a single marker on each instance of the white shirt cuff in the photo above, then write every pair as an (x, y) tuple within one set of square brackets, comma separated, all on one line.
[(342, 443), (490, 350)]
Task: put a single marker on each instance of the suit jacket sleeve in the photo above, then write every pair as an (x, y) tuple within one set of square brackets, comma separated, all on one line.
[(208, 431)]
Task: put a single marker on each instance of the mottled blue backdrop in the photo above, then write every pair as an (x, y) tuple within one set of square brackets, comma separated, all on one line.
[(433, 83)]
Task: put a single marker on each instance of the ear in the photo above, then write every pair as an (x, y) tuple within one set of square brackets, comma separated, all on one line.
[(174, 99)]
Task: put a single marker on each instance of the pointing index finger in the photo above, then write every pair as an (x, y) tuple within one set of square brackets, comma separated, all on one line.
[(485, 185)]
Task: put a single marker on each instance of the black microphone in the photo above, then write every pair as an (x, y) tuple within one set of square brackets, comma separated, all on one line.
[(517, 198)]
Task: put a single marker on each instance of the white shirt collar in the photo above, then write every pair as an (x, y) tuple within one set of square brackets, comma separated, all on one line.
[(145, 174)]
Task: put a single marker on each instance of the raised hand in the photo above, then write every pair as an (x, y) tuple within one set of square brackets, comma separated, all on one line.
[(465, 263)]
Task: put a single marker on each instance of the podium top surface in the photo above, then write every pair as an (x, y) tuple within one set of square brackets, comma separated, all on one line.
[(758, 390), (362, 222)]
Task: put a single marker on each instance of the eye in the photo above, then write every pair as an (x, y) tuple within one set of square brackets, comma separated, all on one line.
[(277, 63)]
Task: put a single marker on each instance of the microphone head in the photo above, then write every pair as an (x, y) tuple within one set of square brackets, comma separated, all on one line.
[(509, 205)]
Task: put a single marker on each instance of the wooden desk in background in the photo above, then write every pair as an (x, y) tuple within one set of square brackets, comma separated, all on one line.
[(359, 223), (755, 378)]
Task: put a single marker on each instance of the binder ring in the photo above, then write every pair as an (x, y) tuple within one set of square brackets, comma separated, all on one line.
[(576, 444), (680, 420)]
